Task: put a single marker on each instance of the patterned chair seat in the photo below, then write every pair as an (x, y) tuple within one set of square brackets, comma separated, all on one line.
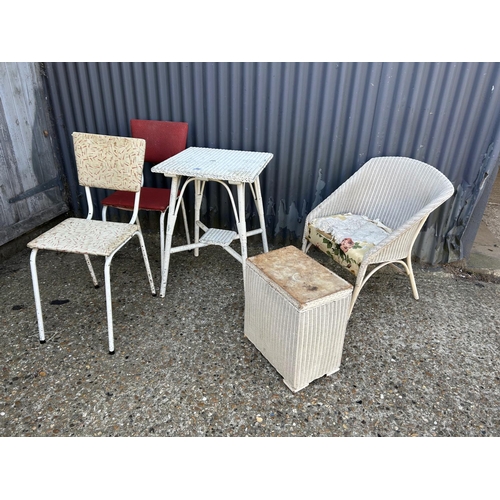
[(346, 238), (85, 236)]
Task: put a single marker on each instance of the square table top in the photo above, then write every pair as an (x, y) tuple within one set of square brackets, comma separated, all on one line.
[(211, 163)]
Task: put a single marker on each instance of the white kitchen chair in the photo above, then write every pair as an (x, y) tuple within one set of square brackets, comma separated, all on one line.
[(106, 162), (376, 215)]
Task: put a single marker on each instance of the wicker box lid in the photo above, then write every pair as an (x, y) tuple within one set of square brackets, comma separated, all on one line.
[(301, 277)]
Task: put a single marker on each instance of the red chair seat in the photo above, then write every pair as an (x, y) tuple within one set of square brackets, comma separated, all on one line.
[(156, 199)]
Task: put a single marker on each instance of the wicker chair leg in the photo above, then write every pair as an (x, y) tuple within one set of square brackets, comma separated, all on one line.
[(355, 293), (412, 277), (146, 263)]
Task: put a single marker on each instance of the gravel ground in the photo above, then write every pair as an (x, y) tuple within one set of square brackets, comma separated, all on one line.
[(183, 367)]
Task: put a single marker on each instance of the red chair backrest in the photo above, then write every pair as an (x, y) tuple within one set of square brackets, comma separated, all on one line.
[(163, 139)]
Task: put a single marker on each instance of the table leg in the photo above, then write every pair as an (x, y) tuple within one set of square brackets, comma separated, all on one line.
[(242, 226), (172, 212), (260, 211), (198, 198)]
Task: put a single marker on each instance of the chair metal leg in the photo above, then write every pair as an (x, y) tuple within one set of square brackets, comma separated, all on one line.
[(162, 237), (109, 310), (107, 284), (36, 291), (91, 269), (146, 262), (184, 216)]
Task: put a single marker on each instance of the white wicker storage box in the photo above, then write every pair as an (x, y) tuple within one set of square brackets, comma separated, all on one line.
[(296, 314)]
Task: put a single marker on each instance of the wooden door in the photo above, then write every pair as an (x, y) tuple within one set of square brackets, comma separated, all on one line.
[(31, 181)]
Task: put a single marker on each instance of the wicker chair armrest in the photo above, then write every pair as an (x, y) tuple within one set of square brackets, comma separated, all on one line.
[(397, 244)]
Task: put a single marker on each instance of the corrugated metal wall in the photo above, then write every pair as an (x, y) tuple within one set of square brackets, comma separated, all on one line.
[(321, 121)]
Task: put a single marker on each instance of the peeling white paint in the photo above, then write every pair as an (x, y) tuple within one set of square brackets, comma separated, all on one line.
[(320, 184)]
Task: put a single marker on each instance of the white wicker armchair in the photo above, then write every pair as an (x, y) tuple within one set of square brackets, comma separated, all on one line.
[(376, 215)]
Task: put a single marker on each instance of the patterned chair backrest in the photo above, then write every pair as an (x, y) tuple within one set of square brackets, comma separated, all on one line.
[(109, 162)]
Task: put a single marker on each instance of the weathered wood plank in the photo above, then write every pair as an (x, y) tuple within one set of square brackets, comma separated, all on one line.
[(31, 184)]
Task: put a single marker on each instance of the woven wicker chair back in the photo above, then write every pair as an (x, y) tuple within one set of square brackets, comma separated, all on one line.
[(394, 189)]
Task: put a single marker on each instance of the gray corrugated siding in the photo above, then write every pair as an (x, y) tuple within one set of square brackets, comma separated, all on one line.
[(321, 121)]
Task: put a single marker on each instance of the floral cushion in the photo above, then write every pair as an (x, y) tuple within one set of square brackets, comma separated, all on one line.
[(346, 237)]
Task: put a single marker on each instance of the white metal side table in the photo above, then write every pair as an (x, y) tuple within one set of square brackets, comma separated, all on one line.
[(226, 167)]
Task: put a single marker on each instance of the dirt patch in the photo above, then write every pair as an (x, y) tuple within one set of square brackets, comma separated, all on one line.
[(457, 269)]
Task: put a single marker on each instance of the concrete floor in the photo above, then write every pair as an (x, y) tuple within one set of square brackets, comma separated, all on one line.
[(485, 253), (184, 368)]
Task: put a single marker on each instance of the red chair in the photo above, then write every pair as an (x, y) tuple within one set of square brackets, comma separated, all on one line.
[(163, 140)]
